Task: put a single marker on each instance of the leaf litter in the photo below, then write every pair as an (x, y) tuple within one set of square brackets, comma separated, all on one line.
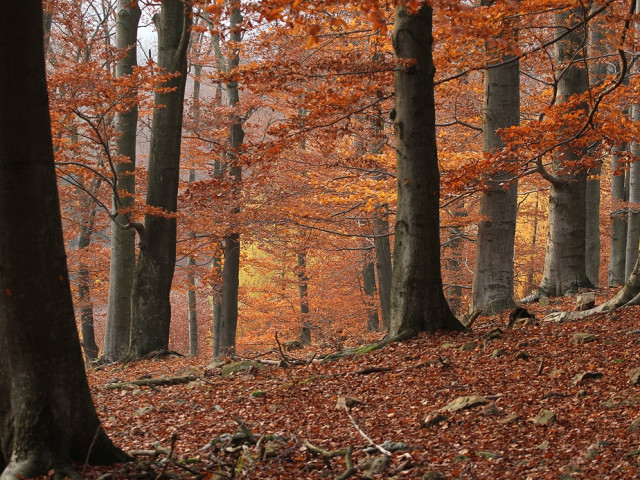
[(256, 423)]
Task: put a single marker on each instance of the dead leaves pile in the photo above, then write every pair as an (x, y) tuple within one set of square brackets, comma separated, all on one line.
[(529, 402)]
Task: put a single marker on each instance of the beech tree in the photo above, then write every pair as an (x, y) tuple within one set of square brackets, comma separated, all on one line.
[(565, 259), (150, 303), (46, 412), (123, 253), (417, 297), (492, 289)]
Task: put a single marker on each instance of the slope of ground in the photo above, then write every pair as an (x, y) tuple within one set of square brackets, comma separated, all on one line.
[(399, 396)]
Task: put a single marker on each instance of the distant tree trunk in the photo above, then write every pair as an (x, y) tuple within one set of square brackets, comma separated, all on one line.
[(191, 304), (191, 272), (597, 75), (231, 266), (565, 259), (47, 416), (369, 287), (83, 279), (123, 248), (303, 291), (383, 262), (150, 303), (417, 299), (217, 308), (618, 214), (492, 289), (633, 220)]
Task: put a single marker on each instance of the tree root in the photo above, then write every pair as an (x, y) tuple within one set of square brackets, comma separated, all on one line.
[(326, 454), (154, 382)]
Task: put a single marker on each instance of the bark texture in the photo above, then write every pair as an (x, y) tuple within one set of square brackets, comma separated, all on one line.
[(150, 303), (231, 266), (565, 259), (47, 416), (618, 216), (369, 287), (123, 248), (492, 289), (417, 298)]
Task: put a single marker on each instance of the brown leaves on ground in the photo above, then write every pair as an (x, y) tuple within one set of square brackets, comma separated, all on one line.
[(592, 435)]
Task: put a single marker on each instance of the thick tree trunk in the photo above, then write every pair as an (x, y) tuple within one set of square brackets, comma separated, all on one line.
[(492, 289), (230, 283), (618, 216), (150, 302), (46, 412), (417, 299), (231, 267), (597, 74), (123, 248), (565, 259), (633, 218)]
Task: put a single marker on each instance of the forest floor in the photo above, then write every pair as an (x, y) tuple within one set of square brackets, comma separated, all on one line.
[(400, 397)]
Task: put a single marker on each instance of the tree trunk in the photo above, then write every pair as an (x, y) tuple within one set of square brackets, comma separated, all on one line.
[(217, 309), (123, 248), (633, 220), (417, 299), (231, 267), (492, 289), (191, 304), (617, 253), (597, 74), (83, 279), (229, 307), (383, 262), (369, 287), (565, 259), (46, 412), (303, 290), (150, 302)]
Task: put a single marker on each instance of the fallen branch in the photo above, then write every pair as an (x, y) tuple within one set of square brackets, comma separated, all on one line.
[(154, 382), (288, 359), (158, 449), (380, 448), (472, 318), (326, 454)]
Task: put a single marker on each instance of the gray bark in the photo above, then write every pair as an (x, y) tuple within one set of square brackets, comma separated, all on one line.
[(303, 291), (231, 266), (123, 255), (150, 302), (597, 74), (492, 289), (192, 304), (618, 216), (47, 416), (417, 298), (369, 287), (383, 262), (83, 278), (633, 217), (565, 259)]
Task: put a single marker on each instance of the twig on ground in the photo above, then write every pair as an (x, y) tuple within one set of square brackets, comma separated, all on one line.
[(381, 449), (174, 437)]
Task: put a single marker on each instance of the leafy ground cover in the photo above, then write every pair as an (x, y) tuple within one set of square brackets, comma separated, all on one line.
[(400, 397)]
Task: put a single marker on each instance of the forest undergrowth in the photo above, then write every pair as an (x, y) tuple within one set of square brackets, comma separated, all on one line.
[(542, 400)]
